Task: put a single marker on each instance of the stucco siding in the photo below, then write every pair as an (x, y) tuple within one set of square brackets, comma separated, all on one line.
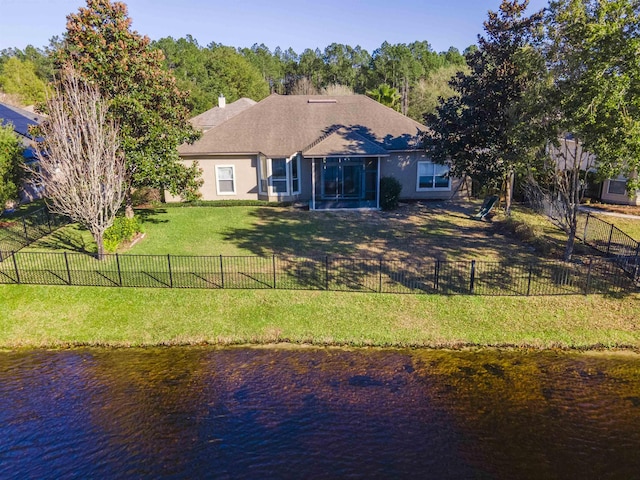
[(404, 167), (245, 177), (618, 198)]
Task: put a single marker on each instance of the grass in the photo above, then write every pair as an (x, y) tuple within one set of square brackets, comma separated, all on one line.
[(442, 231), (50, 316), (37, 316)]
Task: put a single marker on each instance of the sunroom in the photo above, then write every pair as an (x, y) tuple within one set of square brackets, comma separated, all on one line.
[(345, 170)]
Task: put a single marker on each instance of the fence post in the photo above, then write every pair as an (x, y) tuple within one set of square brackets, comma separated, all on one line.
[(119, 271), (473, 276), (24, 228), (610, 237), (326, 272), (586, 229), (273, 259), (635, 263), (436, 280), (170, 274), (221, 272), (66, 262), (380, 276), (529, 281), (586, 287), (15, 265)]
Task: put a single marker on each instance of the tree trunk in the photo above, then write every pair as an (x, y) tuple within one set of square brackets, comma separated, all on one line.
[(128, 203), (508, 197), (571, 240), (98, 237)]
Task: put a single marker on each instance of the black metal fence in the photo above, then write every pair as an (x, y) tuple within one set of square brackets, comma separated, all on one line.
[(378, 275), (613, 242), (24, 230)]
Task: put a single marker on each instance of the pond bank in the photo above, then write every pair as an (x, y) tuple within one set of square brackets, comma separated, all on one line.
[(61, 317)]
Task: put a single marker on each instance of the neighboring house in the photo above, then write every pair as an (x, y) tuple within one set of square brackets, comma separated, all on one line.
[(220, 114), (22, 119), (609, 191), (615, 191), (329, 152)]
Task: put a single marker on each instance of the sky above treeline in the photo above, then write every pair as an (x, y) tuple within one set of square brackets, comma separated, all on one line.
[(298, 24)]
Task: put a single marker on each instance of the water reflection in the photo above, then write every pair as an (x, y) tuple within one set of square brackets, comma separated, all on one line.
[(317, 413)]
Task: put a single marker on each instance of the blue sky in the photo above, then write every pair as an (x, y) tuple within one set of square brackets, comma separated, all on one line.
[(286, 23)]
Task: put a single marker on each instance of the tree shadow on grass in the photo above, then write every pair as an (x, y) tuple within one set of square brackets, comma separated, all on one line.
[(70, 238), (414, 232), (151, 215)]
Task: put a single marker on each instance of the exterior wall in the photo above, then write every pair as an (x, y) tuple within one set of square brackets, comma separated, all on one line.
[(246, 177), (404, 167), (621, 199)]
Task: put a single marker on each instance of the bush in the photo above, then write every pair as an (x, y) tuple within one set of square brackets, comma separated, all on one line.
[(122, 230), (390, 189)]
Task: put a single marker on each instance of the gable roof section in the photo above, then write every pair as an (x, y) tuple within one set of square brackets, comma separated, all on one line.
[(344, 142), (280, 126), (215, 116), (20, 118)]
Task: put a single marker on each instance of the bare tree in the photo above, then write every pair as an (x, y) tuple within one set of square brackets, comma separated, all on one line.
[(557, 187), (81, 168), (303, 86), (336, 90)]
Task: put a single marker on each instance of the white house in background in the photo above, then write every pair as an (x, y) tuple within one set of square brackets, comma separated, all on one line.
[(329, 152)]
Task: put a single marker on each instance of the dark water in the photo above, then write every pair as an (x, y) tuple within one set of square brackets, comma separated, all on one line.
[(304, 414)]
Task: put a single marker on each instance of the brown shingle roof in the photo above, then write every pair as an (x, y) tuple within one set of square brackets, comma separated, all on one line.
[(344, 142), (215, 116), (280, 126)]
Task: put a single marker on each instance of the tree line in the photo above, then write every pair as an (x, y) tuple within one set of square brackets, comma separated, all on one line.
[(407, 77)]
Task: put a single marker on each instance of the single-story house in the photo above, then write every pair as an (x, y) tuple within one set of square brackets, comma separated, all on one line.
[(328, 152), (22, 119)]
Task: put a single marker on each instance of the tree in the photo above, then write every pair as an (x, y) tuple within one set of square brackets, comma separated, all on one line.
[(82, 169), (425, 94), (592, 92), (592, 51), (11, 165), (144, 100), (18, 77), (386, 95), (479, 131)]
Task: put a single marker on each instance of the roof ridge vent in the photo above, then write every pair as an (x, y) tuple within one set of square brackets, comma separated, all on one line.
[(322, 100)]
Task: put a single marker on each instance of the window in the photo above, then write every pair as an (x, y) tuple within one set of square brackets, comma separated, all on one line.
[(295, 179), (279, 176), (264, 175), (617, 187), (432, 176), (226, 175)]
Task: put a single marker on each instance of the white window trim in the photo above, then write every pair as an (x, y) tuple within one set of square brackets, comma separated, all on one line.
[(611, 180), (233, 173), (429, 189), (295, 158), (289, 179)]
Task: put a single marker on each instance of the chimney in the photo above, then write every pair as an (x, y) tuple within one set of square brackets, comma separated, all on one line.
[(222, 102)]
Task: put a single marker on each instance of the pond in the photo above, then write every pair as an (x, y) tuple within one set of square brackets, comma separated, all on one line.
[(318, 413)]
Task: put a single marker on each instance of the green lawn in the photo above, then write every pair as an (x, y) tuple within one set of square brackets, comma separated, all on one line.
[(50, 316), (442, 231), (38, 316)]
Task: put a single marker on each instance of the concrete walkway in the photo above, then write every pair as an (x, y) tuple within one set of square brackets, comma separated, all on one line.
[(611, 214)]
